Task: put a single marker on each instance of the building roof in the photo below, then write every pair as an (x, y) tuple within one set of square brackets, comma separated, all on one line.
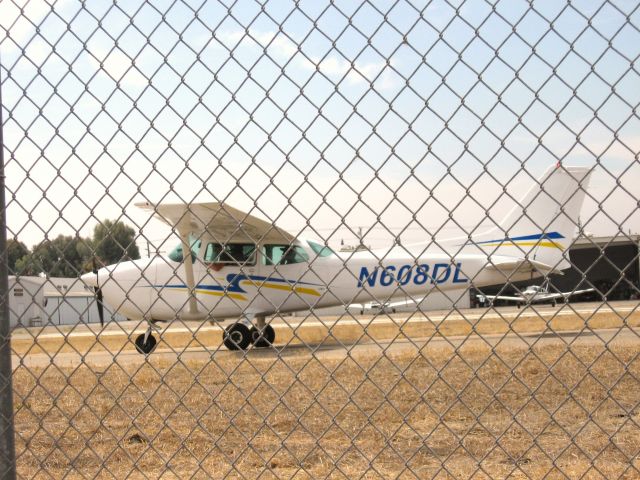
[(22, 279)]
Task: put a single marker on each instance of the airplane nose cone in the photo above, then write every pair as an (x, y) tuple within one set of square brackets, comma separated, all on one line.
[(90, 279)]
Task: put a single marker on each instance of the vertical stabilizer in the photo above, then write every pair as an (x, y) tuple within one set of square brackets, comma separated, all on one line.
[(545, 221)]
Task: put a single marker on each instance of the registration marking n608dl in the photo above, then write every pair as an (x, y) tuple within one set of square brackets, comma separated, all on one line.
[(411, 274)]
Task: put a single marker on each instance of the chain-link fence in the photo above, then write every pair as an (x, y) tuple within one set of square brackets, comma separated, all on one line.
[(320, 239)]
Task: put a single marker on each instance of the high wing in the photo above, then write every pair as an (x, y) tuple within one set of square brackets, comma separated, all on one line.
[(223, 222), (513, 265)]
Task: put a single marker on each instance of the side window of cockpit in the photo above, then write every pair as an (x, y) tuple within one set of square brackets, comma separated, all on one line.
[(236, 253), (177, 256), (284, 254)]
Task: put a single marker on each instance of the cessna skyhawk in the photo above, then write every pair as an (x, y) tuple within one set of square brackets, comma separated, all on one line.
[(230, 264)]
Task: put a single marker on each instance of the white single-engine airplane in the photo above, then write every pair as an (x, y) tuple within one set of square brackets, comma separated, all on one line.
[(239, 266), (537, 293)]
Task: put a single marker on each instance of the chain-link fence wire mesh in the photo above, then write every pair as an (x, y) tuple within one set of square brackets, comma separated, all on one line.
[(243, 128)]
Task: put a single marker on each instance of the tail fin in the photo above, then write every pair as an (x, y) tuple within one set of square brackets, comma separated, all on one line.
[(545, 221)]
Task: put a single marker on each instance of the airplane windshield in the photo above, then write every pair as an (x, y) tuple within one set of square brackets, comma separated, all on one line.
[(320, 250), (176, 254)]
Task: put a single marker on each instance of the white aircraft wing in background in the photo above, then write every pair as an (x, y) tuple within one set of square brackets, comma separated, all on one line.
[(386, 306), (531, 295)]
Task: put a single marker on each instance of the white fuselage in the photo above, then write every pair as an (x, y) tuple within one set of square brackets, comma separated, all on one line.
[(307, 275), (156, 288)]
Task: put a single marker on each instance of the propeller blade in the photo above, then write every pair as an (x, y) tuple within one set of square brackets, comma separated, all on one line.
[(98, 291), (100, 305)]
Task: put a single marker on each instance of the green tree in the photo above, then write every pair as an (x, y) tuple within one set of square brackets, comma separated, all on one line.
[(64, 256), (15, 251), (114, 241)]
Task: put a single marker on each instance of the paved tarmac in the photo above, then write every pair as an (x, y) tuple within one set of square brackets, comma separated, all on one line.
[(335, 349), (584, 310)]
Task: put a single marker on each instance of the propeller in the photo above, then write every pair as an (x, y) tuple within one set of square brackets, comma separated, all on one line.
[(98, 291)]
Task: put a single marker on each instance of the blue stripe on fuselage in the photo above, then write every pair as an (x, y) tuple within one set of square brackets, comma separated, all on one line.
[(538, 236)]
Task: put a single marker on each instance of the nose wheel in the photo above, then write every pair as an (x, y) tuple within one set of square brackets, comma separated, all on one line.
[(146, 343)]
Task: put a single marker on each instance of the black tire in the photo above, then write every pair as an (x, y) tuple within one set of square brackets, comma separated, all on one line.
[(553, 303), (266, 339), (148, 347), (237, 337)]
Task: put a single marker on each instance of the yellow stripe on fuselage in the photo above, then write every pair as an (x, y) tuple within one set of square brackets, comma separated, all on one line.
[(506, 243), (235, 296), (286, 288)]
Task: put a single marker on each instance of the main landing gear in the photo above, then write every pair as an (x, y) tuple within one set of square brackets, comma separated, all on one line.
[(239, 335)]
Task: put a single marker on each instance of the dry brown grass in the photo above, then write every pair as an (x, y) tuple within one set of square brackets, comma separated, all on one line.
[(476, 413)]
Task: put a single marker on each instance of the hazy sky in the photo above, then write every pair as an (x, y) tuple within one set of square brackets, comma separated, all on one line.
[(342, 114)]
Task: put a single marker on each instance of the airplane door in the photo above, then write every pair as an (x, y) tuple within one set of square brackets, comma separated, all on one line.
[(288, 283)]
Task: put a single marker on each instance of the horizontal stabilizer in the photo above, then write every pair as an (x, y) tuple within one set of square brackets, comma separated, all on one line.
[(521, 265)]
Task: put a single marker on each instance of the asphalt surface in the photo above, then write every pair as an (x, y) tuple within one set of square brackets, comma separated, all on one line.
[(584, 310), (624, 335)]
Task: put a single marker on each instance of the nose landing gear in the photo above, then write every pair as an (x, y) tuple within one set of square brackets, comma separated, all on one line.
[(146, 342), (238, 336)]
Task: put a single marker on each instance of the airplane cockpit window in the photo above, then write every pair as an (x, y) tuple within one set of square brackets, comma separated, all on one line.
[(240, 253), (176, 254), (321, 250), (284, 254)]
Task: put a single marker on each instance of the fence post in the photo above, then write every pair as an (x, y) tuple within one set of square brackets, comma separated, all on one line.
[(7, 441)]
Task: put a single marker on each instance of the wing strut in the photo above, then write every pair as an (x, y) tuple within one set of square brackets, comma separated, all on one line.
[(188, 269)]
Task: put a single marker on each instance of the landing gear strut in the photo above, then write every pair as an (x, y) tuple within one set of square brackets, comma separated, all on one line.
[(239, 336)]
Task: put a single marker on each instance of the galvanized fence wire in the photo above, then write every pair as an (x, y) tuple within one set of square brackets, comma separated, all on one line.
[(378, 122)]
